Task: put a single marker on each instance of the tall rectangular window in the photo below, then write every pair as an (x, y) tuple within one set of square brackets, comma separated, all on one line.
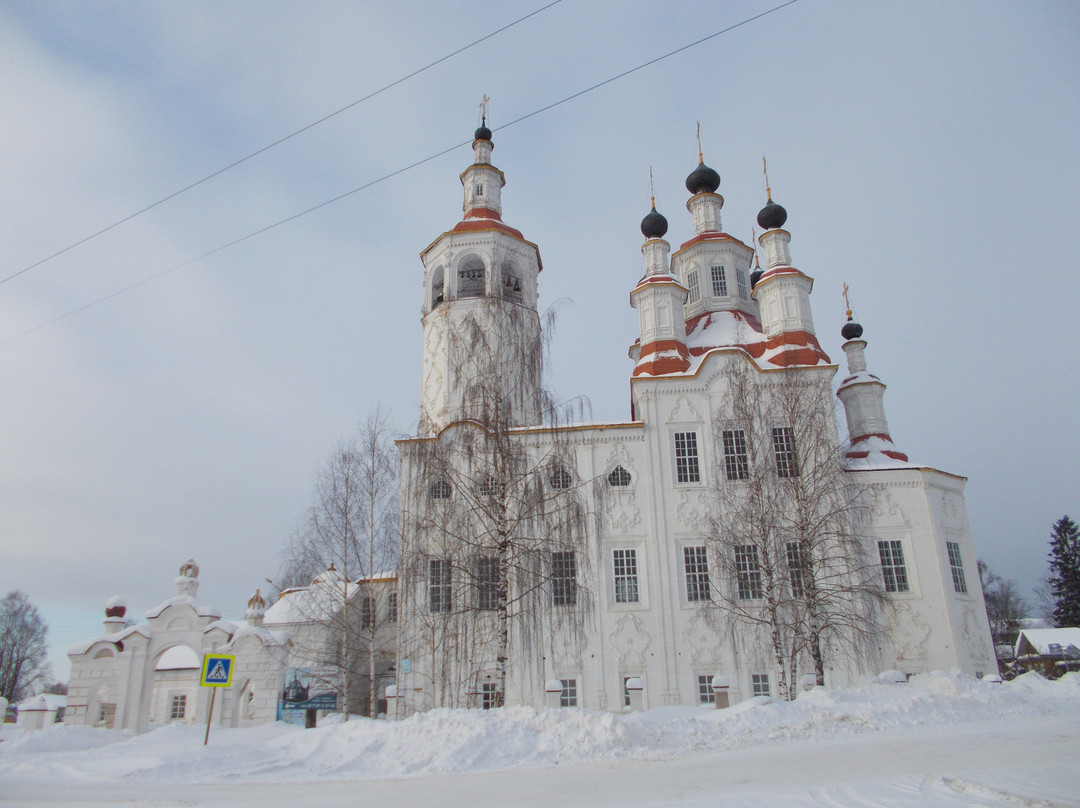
[(956, 563), (487, 582), (719, 281), (626, 581), (568, 697), (391, 607), (736, 466), (686, 458), (563, 578), (489, 696), (693, 286), (178, 707), (892, 566), (796, 566), (740, 276), (439, 591), (705, 693), (783, 441), (367, 612), (760, 684), (696, 568), (748, 571)]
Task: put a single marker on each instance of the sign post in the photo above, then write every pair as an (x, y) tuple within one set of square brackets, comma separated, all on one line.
[(216, 672)]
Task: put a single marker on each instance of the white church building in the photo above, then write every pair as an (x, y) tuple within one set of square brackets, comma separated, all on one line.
[(727, 530)]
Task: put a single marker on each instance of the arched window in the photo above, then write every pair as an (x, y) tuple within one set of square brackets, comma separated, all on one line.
[(439, 489), (560, 477), (436, 287), (471, 277), (511, 282), (488, 487), (619, 477)]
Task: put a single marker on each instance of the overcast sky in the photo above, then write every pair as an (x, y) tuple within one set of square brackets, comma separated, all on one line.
[(927, 154)]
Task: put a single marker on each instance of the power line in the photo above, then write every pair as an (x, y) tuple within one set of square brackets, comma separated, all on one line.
[(278, 142), (392, 174)]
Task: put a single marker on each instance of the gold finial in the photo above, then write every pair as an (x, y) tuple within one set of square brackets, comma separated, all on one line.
[(847, 302), (753, 238), (483, 110), (700, 154), (652, 190), (765, 168)]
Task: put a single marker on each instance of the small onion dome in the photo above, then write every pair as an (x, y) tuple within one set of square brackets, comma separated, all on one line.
[(256, 603), (702, 180), (771, 216), (755, 276), (851, 330), (654, 225), (482, 133), (189, 569), (115, 607)]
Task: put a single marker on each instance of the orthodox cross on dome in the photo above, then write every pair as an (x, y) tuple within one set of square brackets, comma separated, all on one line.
[(765, 170), (700, 153), (847, 302), (652, 189), (483, 109)]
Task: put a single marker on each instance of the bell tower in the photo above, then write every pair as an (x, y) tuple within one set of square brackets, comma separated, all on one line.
[(481, 353)]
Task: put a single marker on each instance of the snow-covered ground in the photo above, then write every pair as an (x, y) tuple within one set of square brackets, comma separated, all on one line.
[(937, 740)]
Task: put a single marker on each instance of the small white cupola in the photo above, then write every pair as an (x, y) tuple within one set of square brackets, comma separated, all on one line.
[(187, 582), (863, 396)]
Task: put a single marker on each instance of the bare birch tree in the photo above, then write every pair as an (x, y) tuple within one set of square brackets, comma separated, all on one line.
[(790, 558), (495, 517), (349, 535)]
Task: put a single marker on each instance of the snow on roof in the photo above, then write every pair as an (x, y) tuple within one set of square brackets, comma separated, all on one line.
[(116, 637), (179, 657), (228, 626), (1066, 640), (267, 636), (183, 600), (42, 701)]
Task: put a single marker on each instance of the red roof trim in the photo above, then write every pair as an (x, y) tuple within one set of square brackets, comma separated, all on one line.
[(472, 225), (483, 213)]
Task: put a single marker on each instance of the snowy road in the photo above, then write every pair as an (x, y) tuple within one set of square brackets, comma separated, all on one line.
[(1011, 762)]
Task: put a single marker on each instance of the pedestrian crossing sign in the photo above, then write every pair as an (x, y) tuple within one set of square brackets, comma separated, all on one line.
[(217, 670)]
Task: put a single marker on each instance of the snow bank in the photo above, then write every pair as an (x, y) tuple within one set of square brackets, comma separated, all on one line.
[(443, 741)]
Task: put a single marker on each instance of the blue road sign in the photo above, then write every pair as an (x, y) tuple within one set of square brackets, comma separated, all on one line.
[(217, 670)]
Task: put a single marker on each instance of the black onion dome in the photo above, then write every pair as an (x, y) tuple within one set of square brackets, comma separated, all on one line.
[(483, 133), (702, 180), (771, 216), (654, 225), (851, 330), (755, 276)]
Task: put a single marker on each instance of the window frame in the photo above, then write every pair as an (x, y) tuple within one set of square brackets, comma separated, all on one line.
[(748, 583), (619, 478), (759, 685), (721, 289), (736, 454), (693, 287), (893, 566), (687, 456), (706, 694), (487, 583), (956, 566), (785, 452), (177, 706), (697, 585), (625, 576), (440, 586), (568, 696), (563, 578), (795, 556)]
